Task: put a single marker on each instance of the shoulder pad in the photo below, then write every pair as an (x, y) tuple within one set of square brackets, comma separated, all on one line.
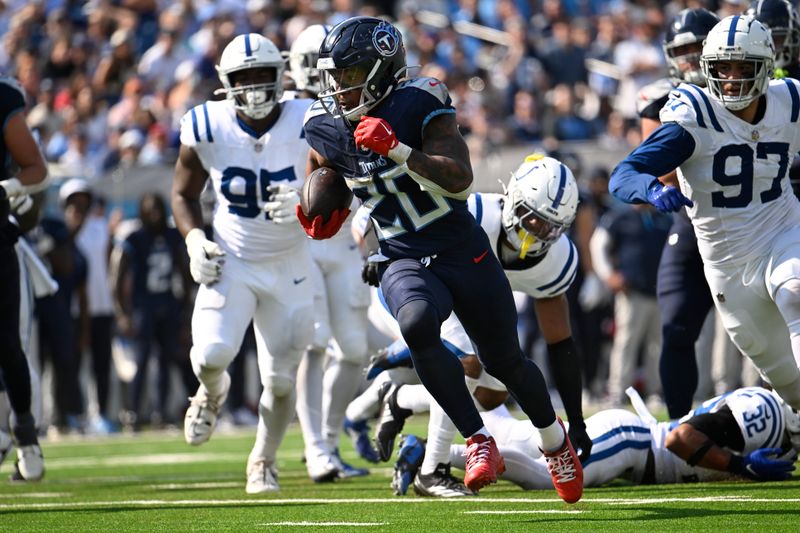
[(652, 93), (429, 85), (316, 109), (197, 124), (690, 107), (788, 90), (12, 84)]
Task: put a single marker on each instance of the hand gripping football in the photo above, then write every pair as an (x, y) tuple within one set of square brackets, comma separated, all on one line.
[(324, 191)]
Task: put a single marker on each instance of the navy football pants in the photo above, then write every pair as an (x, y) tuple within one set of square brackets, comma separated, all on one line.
[(469, 280), (684, 300)]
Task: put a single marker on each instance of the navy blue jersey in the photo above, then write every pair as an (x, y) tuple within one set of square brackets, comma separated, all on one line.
[(12, 101), (409, 221), (153, 263)]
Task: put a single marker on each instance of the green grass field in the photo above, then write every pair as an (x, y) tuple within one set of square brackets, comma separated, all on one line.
[(155, 482)]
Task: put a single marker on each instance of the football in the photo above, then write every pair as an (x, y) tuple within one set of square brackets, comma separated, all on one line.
[(324, 191)]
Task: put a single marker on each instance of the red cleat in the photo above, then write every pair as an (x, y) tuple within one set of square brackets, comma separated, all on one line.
[(566, 470), (484, 462)]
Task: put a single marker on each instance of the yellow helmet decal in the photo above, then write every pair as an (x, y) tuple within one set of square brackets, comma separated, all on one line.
[(534, 157)]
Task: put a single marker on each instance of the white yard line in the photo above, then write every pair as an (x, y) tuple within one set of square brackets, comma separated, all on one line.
[(406, 501), (540, 511), (324, 524), (37, 495)]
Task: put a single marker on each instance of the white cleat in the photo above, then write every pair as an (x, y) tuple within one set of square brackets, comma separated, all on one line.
[(30, 462), (201, 416), (321, 468), (5, 445), (261, 478)]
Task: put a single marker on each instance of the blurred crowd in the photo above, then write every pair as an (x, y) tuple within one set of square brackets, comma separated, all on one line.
[(107, 82)]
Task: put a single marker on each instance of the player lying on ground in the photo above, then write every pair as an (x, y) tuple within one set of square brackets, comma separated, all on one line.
[(748, 433)]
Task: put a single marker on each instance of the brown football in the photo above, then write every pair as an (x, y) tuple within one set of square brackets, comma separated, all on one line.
[(324, 191)]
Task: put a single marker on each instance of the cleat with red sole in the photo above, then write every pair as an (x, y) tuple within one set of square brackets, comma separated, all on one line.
[(566, 470), (484, 462)]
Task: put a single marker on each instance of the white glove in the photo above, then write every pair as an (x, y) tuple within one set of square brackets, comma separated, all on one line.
[(13, 187), (21, 204), (205, 257), (593, 292), (282, 204)]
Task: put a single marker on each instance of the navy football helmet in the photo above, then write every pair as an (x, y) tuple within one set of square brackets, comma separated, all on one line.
[(683, 43), (782, 20), (362, 56)]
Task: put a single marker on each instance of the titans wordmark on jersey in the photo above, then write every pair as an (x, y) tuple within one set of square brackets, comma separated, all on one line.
[(737, 175), (242, 165), (757, 412), (410, 221)]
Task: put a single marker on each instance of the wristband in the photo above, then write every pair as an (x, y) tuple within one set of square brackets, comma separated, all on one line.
[(736, 464), (400, 153), (701, 452)]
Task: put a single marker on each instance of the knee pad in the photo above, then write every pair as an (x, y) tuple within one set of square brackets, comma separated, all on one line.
[(419, 323), (215, 355), (352, 347), (280, 385)]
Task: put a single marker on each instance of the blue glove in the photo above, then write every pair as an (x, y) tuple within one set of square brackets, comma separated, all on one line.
[(759, 465), (395, 355), (667, 198)]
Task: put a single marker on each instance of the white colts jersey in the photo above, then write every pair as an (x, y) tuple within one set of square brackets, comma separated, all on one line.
[(241, 166), (758, 414), (738, 175), (551, 276)]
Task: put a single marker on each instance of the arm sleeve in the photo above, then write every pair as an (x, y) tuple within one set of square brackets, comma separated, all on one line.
[(720, 427), (662, 152)]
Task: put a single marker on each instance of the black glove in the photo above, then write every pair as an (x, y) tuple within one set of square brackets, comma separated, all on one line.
[(369, 274), (580, 440)]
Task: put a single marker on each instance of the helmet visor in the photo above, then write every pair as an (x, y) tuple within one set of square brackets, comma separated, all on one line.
[(544, 230), (343, 89)]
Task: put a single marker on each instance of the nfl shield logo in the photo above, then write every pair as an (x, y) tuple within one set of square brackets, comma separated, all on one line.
[(385, 39)]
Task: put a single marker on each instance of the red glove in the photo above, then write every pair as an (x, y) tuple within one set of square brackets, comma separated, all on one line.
[(317, 229), (375, 134)]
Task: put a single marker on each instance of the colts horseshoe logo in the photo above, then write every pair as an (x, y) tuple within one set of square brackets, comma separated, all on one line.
[(385, 39)]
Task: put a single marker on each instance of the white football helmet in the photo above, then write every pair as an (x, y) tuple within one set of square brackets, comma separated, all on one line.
[(251, 51), (303, 57), (541, 201), (744, 39)]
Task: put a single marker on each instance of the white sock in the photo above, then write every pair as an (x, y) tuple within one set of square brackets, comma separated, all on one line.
[(483, 431), (309, 400), (441, 432), (274, 415), (414, 397), (339, 386), (366, 405), (552, 436), (212, 379)]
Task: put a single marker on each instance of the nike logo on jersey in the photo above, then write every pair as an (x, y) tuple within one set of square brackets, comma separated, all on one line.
[(298, 281), (480, 257), (434, 83)]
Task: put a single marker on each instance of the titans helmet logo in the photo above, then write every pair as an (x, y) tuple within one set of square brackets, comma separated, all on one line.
[(386, 39)]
